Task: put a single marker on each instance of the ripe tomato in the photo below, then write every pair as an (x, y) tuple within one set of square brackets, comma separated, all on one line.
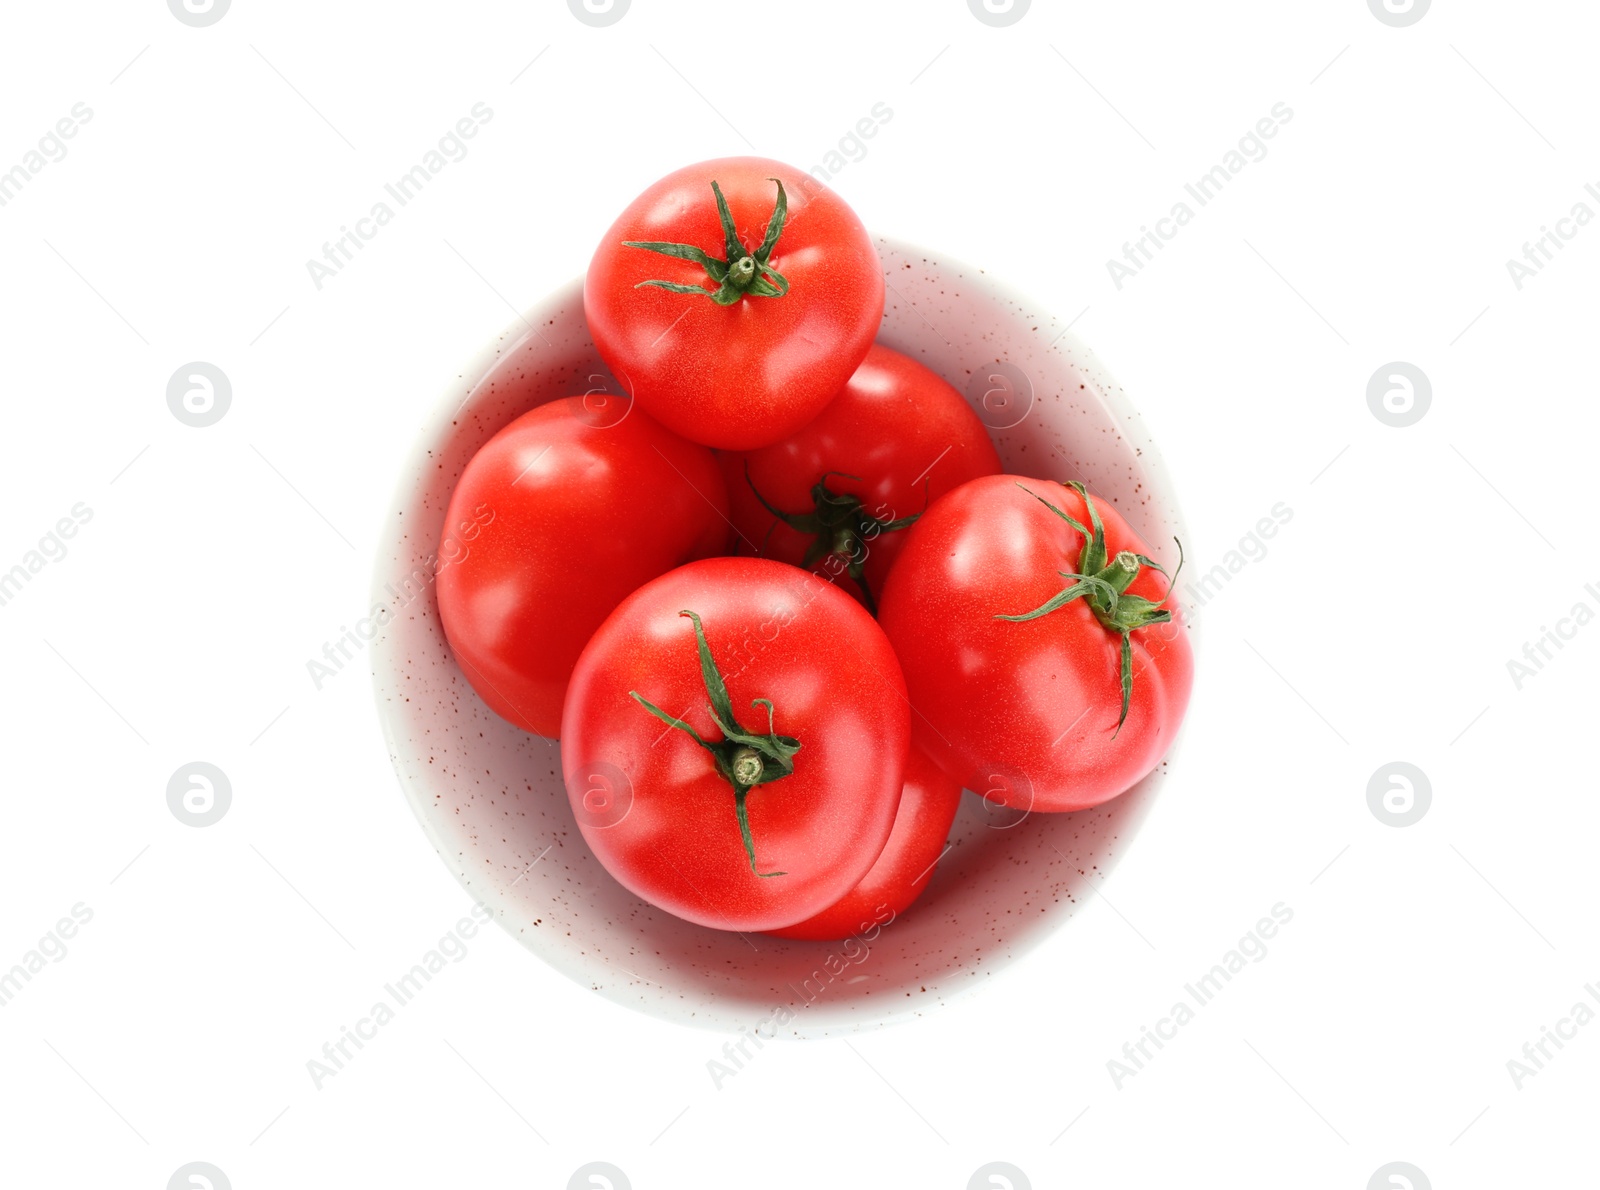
[(846, 485), (580, 510), (738, 349), (921, 829), (734, 743), (1033, 684)]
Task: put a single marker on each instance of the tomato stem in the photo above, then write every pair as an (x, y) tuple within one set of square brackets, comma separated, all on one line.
[(1103, 585), (840, 527), (742, 272), (743, 759), (746, 767)]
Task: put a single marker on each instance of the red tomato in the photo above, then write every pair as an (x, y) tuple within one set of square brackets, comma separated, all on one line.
[(557, 518), (746, 778), (921, 830), (895, 440), (733, 299), (1037, 690)]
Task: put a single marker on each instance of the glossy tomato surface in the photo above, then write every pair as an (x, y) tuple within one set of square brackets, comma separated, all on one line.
[(653, 804), (746, 374), (1026, 713), (558, 517), (921, 830), (895, 440)]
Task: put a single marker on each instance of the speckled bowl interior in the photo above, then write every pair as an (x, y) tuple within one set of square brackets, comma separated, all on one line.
[(490, 796)]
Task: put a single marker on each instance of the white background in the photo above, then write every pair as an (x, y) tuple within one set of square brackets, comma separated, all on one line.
[(1377, 627)]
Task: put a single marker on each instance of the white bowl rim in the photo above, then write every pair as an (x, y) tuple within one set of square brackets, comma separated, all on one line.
[(574, 964)]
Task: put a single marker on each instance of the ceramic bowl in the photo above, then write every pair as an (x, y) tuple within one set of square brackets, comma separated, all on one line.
[(490, 797)]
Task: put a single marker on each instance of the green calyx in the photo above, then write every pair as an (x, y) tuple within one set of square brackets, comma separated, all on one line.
[(744, 759), (839, 526), (1103, 584), (742, 273)]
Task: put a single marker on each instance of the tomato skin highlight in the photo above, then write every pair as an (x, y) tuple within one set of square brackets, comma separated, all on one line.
[(1026, 713), (744, 375), (582, 511), (905, 434), (667, 828), (921, 830)]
